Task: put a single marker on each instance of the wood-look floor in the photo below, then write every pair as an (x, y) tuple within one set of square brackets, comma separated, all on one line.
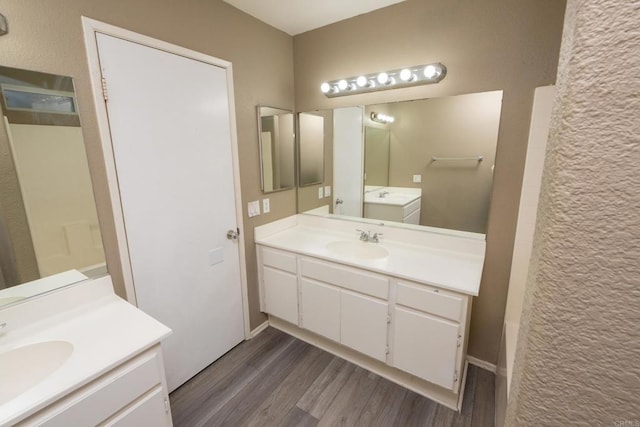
[(277, 380)]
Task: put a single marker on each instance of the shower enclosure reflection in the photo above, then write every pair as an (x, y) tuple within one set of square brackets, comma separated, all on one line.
[(48, 220)]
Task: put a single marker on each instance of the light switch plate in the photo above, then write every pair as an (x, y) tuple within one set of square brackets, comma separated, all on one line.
[(320, 193), (253, 208), (266, 206), (417, 178), (327, 190)]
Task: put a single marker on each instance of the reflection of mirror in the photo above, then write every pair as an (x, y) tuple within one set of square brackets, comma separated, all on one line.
[(447, 144), (276, 136), (49, 232), (311, 148)]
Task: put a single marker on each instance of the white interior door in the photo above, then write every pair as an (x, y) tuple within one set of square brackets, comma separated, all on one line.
[(171, 134), (348, 161)]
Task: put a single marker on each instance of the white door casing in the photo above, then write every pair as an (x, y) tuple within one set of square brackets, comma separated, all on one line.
[(174, 185)]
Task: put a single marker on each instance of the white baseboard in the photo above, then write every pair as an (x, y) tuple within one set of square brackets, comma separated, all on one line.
[(482, 364), (259, 329)]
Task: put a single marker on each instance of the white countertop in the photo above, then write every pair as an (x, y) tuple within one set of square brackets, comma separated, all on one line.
[(104, 333), (442, 266)]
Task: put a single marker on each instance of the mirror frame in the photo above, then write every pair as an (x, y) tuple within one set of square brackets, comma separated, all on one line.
[(259, 116)]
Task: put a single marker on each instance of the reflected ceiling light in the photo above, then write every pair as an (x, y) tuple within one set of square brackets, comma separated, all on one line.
[(382, 118), (399, 78)]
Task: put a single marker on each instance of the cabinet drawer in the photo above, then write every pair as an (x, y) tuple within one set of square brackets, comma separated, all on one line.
[(412, 218), (93, 404), (149, 410), (413, 206), (280, 294), (431, 300), (345, 277), (279, 259)]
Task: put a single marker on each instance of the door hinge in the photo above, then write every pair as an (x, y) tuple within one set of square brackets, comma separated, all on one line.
[(386, 350), (459, 340), (388, 319), (105, 94), (166, 406), (455, 377)]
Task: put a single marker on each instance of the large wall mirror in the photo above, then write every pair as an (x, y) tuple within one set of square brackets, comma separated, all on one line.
[(426, 162), (49, 231), (277, 149)]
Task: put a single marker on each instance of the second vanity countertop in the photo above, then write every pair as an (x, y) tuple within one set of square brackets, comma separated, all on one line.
[(448, 262), (104, 332)]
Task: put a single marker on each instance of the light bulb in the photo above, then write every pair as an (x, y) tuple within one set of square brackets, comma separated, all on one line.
[(430, 71), (362, 81), (325, 87), (406, 75), (342, 84), (383, 78)]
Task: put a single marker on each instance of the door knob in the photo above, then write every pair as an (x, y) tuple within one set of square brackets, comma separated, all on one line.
[(233, 234)]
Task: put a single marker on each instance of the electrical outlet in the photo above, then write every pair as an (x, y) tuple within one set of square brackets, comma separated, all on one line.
[(320, 193), (327, 190), (253, 208), (266, 206), (417, 178)]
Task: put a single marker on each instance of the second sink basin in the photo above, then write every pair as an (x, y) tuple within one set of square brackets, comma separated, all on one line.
[(24, 367), (357, 249)]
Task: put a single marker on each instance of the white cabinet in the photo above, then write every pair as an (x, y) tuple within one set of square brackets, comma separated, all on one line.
[(364, 324), (425, 346), (132, 394), (279, 284), (281, 294), (410, 327), (320, 307)]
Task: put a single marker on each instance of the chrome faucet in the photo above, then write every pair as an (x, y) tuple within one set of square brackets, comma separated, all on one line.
[(383, 193), (366, 236)]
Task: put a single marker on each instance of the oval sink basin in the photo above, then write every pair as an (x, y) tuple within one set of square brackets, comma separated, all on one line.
[(357, 249), (24, 367)]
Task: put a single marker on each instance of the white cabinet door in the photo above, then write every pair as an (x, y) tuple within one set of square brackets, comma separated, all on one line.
[(320, 308), (425, 346), (364, 324), (280, 294)]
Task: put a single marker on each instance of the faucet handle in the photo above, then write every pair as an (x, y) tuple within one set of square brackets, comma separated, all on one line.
[(364, 235), (376, 237)]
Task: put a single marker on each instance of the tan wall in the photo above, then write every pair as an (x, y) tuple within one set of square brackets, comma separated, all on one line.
[(577, 355), (47, 36), (489, 45)]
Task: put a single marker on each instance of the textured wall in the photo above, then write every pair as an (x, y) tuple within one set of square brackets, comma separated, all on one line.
[(578, 350), (46, 35), (486, 45)]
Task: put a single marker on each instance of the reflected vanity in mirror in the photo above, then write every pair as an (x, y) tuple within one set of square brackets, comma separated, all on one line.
[(277, 149), (49, 231), (425, 162), (311, 149)]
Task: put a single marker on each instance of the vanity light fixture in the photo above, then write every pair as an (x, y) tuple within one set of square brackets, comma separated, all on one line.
[(403, 77), (382, 118)]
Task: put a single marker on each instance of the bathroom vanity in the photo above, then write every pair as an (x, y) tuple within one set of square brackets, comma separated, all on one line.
[(398, 204), (399, 307), (81, 356)]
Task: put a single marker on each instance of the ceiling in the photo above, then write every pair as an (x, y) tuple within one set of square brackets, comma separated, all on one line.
[(297, 16)]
